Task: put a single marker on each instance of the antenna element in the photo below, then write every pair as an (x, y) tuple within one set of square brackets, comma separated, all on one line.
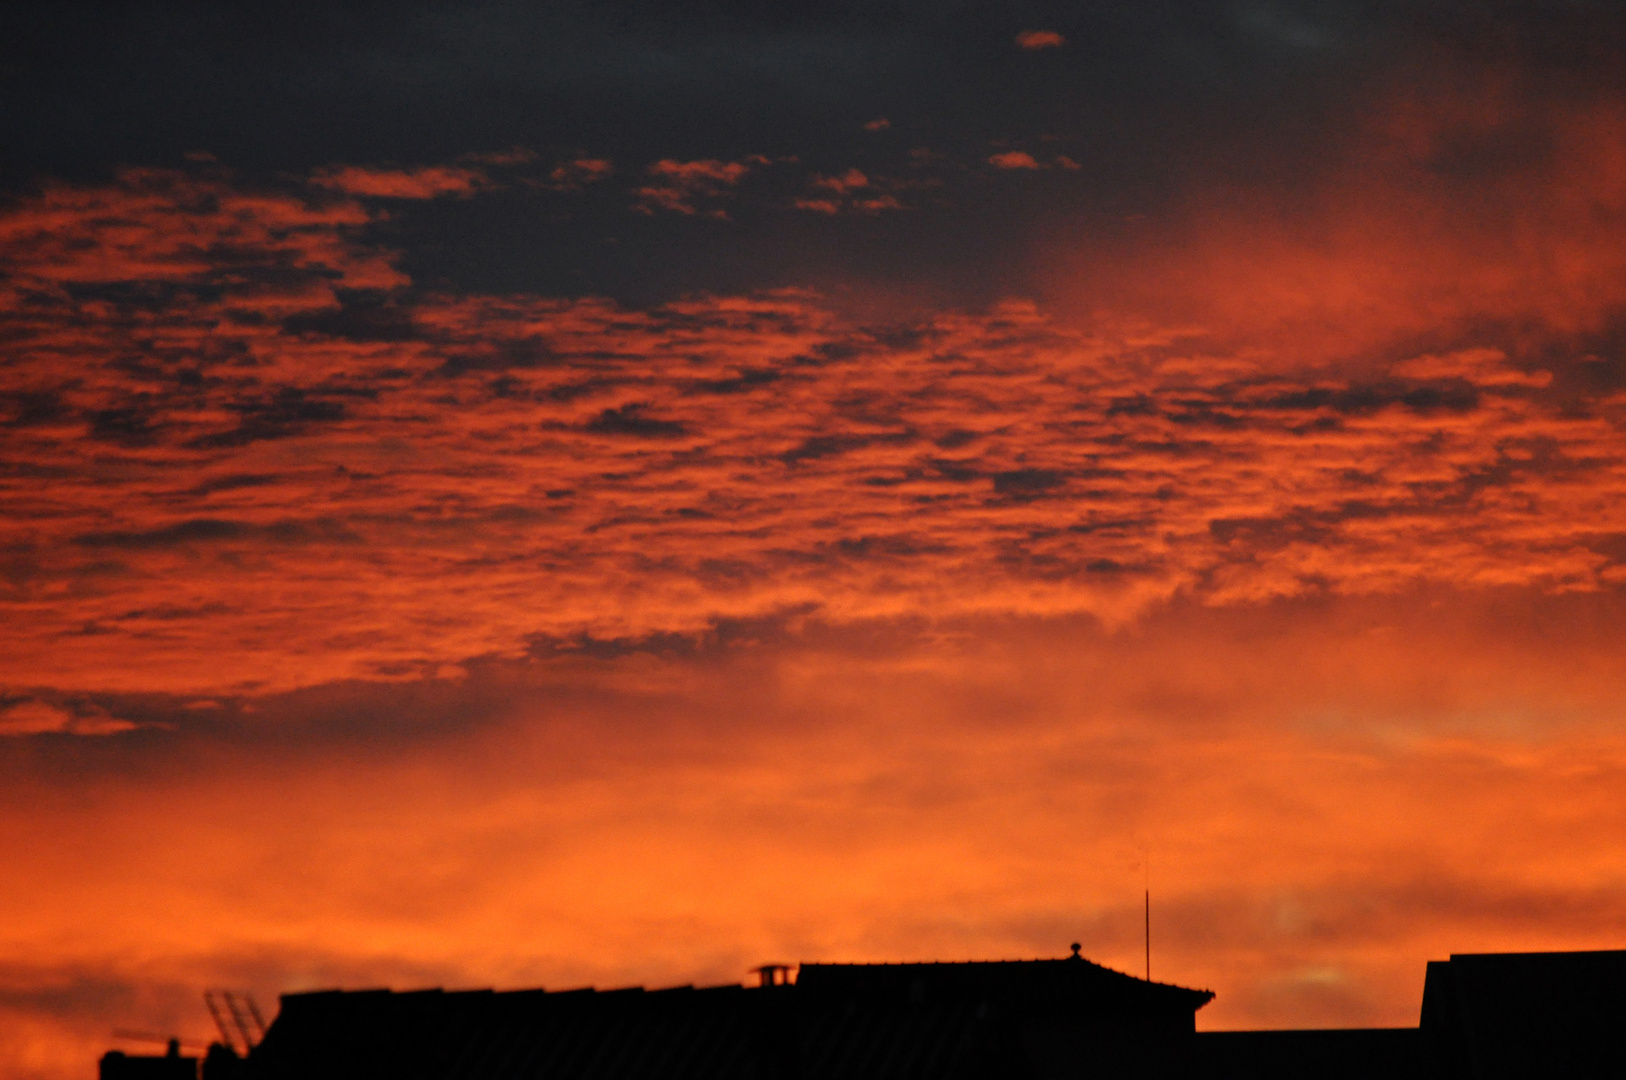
[(1148, 935)]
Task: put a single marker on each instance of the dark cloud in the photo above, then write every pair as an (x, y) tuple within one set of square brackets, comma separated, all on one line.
[(748, 379), (357, 317), (234, 482), (630, 420), (823, 446), (1027, 481), (28, 407), (59, 993), (289, 411), (214, 530), (128, 424)]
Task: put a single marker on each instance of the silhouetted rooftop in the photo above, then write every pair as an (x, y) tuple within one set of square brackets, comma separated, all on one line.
[(1074, 980), (1484, 1017), (846, 1021)]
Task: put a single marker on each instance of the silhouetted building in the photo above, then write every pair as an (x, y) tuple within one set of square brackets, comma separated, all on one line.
[(1022, 1019), (117, 1065), (1493, 1015), (1484, 1017)]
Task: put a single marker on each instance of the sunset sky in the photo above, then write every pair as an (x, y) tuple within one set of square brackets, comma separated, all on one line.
[(608, 493)]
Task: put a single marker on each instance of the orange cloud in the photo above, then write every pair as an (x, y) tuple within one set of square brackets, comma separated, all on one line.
[(842, 184), (580, 172), (1013, 159), (841, 195), (1040, 39), (682, 182), (423, 183), (32, 717)]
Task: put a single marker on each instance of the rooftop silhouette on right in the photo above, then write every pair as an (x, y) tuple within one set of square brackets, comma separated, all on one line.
[(1485, 1016), (1494, 1015)]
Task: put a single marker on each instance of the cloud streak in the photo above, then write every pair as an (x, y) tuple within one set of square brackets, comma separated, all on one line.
[(1034, 40), (423, 183)]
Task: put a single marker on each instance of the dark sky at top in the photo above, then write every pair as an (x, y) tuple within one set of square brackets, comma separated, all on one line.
[(1151, 100)]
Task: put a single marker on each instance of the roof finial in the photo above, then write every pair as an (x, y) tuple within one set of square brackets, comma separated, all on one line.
[(1075, 946)]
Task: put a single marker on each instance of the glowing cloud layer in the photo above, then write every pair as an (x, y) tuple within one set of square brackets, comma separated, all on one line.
[(261, 446)]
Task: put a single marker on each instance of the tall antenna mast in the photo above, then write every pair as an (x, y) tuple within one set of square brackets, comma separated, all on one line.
[(1148, 935)]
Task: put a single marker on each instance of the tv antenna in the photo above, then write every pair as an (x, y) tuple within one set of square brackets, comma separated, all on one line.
[(1146, 881), (247, 1025)]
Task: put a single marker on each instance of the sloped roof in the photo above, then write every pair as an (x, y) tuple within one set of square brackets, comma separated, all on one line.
[(1074, 981)]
